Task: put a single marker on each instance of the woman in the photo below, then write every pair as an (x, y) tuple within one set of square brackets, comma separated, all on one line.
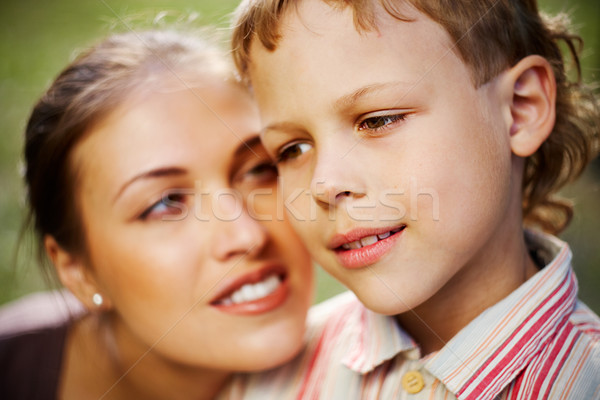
[(156, 204)]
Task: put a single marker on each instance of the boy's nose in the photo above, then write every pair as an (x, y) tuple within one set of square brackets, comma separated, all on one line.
[(334, 180)]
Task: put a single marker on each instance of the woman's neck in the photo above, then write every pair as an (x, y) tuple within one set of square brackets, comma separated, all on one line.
[(102, 363)]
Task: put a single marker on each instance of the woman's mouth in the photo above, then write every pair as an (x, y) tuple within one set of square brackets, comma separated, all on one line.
[(362, 248), (254, 293)]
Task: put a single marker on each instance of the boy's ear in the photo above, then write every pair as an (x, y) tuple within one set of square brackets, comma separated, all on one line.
[(533, 107), (75, 275)]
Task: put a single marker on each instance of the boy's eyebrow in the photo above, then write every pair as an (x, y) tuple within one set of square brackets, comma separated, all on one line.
[(281, 126), (154, 173), (347, 100)]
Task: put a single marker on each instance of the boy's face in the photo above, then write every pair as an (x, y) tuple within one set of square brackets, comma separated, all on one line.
[(407, 166)]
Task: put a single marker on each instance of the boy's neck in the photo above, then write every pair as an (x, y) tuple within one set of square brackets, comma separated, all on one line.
[(490, 277)]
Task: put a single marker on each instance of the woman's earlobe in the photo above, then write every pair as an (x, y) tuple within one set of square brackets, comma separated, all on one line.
[(533, 107), (75, 276)]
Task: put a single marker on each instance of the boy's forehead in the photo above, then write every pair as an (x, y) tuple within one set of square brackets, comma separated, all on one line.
[(318, 21), (318, 40)]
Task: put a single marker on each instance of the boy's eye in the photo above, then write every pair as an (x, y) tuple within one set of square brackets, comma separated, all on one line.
[(380, 122), (293, 151), (168, 205)]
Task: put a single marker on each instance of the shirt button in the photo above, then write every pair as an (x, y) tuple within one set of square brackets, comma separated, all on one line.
[(413, 382)]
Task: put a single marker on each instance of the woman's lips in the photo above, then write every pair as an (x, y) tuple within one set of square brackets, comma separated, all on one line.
[(361, 248), (254, 293)]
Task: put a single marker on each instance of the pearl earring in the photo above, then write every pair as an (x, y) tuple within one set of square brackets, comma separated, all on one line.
[(97, 299)]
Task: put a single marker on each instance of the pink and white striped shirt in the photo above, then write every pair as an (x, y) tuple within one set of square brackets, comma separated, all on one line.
[(537, 343)]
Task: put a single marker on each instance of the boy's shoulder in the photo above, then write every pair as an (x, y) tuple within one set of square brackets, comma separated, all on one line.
[(335, 323), (333, 308), (568, 365), (585, 321)]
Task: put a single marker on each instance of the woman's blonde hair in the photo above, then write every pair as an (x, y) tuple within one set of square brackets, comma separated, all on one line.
[(489, 35)]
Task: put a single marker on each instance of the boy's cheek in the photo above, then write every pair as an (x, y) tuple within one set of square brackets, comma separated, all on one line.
[(296, 203)]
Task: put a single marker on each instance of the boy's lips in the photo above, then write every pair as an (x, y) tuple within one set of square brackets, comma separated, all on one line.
[(362, 247), (256, 292)]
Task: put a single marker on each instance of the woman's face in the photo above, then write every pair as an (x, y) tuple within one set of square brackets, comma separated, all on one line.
[(179, 204)]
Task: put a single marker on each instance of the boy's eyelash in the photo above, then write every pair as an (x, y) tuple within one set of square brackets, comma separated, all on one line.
[(283, 152), (380, 122)]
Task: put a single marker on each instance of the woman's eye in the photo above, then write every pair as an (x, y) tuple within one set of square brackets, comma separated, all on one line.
[(265, 169), (380, 122), (261, 173), (169, 205), (292, 151)]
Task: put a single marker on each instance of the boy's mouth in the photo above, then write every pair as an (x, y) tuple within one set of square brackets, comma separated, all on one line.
[(362, 247), (358, 239), (369, 240)]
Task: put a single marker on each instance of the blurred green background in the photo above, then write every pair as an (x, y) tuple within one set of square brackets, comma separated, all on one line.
[(38, 38)]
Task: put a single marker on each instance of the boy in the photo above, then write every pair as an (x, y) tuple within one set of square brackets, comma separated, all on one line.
[(427, 133)]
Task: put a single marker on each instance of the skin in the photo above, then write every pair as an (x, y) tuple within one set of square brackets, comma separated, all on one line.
[(385, 129), (159, 277)]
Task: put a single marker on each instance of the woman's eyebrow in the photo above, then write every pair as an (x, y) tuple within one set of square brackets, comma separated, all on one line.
[(153, 173), (247, 145)]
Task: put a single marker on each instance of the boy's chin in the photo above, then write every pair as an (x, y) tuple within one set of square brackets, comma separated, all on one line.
[(385, 301)]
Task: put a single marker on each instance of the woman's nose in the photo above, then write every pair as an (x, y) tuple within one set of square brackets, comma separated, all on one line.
[(237, 234)]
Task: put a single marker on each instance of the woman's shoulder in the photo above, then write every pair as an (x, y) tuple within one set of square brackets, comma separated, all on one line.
[(33, 331), (38, 311)]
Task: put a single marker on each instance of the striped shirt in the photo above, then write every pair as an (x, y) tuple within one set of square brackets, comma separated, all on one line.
[(540, 342)]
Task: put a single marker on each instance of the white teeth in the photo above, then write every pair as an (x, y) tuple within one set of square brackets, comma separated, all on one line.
[(248, 291), (384, 235), (260, 291), (237, 297), (369, 240), (355, 245), (253, 291)]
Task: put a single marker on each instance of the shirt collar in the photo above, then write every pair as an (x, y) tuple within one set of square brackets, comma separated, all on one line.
[(375, 338), (487, 354)]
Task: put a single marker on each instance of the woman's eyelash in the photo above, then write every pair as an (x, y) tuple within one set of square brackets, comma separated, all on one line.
[(380, 122), (259, 173), (262, 168), (169, 201)]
